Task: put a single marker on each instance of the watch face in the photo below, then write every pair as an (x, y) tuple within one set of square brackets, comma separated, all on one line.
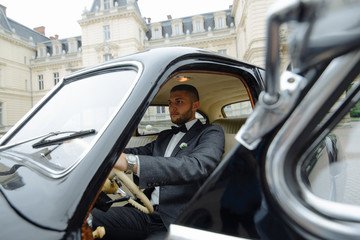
[(131, 158)]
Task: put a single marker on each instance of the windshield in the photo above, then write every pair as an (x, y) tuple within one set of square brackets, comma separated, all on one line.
[(81, 105)]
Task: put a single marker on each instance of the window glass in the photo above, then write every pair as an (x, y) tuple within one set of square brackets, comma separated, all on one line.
[(1, 114), (239, 109), (220, 23), (107, 32), (222, 51), (106, 4), (107, 57), (331, 170), (56, 78), (157, 119), (57, 51), (198, 26), (72, 47), (156, 34), (177, 30), (41, 82), (68, 112)]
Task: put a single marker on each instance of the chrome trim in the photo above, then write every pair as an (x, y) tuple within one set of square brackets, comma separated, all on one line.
[(59, 174), (279, 13), (100, 67), (178, 232), (276, 102), (265, 117), (329, 220)]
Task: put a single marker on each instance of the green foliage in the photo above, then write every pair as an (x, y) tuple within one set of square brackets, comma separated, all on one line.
[(355, 111)]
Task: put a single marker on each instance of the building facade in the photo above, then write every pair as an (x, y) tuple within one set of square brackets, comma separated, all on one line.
[(31, 64)]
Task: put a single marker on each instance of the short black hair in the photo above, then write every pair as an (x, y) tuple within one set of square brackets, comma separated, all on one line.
[(185, 87)]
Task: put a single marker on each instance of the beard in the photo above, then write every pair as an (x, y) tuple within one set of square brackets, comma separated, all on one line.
[(183, 118)]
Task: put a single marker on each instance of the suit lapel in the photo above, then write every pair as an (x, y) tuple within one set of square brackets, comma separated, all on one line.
[(193, 131)]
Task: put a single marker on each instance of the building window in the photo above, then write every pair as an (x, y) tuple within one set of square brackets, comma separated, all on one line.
[(107, 32), (41, 52), (41, 82), (223, 51), (1, 114), (160, 109), (220, 23), (107, 57), (0, 78), (72, 47), (156, 34), (177, 30), (56, 78), (57, 51), (106, 4), (198, 26)]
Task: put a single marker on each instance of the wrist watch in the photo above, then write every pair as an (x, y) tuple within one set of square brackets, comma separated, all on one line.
[(131, 160)]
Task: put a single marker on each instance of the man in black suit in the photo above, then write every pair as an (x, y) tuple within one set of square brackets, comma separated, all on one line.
[(175, 165)]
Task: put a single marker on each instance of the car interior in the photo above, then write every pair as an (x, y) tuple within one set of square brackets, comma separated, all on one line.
[(224, 100)]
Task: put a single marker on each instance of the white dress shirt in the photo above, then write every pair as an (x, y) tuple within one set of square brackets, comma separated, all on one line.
[(171, 146)]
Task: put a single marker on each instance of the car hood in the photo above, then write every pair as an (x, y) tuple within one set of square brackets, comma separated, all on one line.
[(14, 226), (30, 195)]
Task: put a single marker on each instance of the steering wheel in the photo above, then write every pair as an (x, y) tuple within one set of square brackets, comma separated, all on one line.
[(134, 189)]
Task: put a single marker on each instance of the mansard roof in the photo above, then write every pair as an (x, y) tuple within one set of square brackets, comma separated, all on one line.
[(209, 22), (64, 44), (19, 29), (96, 4), (120, 3)]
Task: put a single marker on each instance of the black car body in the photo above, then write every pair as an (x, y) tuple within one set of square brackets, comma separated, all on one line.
[(55, 160)]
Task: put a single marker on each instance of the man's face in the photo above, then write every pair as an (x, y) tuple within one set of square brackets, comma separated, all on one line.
[(182, 109)]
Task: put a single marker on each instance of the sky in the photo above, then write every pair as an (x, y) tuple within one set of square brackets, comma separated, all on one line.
[(60, 16)]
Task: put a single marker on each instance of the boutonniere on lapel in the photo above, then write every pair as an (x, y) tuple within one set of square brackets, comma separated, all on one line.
[(183, 145)]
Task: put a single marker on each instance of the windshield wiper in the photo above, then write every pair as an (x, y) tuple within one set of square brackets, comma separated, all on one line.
[(44, 142), (5, 147)]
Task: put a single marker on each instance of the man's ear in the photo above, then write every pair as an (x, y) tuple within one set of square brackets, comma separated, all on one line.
[(196, 105)]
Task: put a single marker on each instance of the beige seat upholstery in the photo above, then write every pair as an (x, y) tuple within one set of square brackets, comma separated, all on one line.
[(230, 125), (137, 141)]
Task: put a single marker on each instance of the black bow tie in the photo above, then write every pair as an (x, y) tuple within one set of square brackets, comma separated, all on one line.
[(175, 130)]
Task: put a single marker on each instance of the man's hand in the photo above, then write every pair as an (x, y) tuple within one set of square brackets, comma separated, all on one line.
[(122, 164)]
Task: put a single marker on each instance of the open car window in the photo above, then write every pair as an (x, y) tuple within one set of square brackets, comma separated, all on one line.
[(238, 110), (331, 170)]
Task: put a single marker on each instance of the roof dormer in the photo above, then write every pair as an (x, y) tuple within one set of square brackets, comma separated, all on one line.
[(156, 30), (177, 27), (198, 24), (220, 20), (56, 47), (41, 50), (73, 45)]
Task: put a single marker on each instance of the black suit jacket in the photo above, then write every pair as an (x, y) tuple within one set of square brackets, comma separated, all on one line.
[(180, 175)]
